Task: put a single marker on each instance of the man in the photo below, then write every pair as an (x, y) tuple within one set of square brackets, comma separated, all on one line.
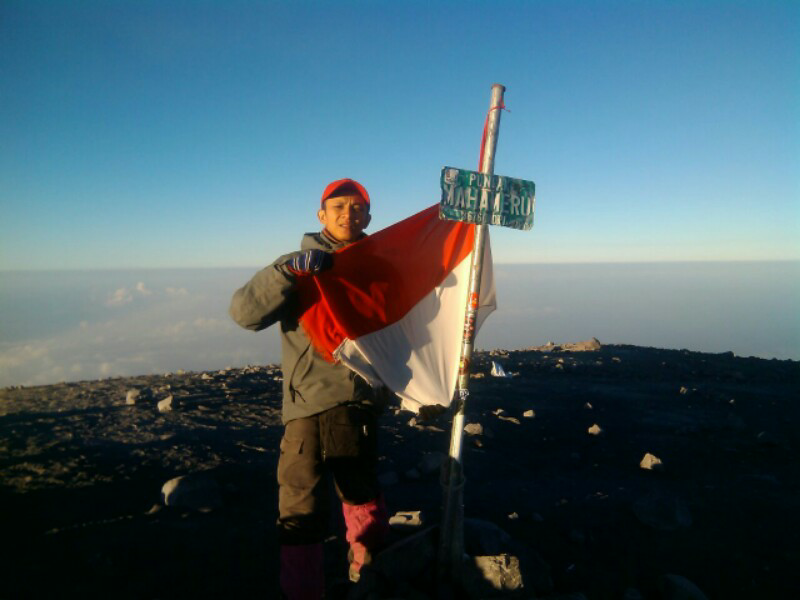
[(329, 413)]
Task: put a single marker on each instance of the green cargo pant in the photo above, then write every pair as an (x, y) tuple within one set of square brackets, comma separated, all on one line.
[(340, 441)]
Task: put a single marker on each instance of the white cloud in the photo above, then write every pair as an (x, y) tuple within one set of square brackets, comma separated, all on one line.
[(160, 324), (119, 297), (142, 289)]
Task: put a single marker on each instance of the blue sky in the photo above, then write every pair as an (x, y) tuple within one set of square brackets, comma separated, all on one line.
[(200, 134)]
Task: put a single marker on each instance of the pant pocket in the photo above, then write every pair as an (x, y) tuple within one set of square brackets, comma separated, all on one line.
[(295, 468), (346, 432)]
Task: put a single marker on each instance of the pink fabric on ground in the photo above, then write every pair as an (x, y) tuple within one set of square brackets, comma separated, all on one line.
[(367, 527)]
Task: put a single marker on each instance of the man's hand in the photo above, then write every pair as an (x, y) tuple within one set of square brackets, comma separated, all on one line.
[(310, 262)]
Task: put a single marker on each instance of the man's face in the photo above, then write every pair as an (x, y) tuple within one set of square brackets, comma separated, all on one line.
[(345, 217)]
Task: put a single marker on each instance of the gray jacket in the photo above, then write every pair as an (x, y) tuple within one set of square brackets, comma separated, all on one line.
[(310, 383)]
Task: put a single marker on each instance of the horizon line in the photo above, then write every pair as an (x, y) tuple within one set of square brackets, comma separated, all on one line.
[(496, 264)]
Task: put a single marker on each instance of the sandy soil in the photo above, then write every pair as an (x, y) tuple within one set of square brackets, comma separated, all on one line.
[(82, 474)]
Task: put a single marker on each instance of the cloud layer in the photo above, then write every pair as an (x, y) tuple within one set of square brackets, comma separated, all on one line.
[(71, 326)]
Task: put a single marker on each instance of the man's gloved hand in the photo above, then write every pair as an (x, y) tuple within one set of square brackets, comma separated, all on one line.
[(310, 262)]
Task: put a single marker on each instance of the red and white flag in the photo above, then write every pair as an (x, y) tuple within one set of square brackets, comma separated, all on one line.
[(392, 306)]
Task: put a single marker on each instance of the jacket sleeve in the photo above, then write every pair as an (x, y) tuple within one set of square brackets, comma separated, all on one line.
[(260, 302)]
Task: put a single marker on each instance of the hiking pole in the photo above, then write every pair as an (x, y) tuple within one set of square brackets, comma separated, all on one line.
[(451, 542)]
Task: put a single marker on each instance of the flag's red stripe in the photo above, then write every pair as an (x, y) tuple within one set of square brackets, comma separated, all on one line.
[(376, 281)]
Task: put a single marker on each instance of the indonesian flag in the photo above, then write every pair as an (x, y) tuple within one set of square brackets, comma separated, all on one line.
[(392, 306)]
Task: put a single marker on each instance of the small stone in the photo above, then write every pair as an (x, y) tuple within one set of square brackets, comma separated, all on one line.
[(588, 406), (529, 414), (165, 405), (180, 372), (407, 518), (477, 375), (131, 397), (651, 462), (595, 430), (206, 376), (616, 359), (195, 491), (498, 411), (513, 516), (473, 429), (497, 370), (684, 391), (509, 419), (388, 479)]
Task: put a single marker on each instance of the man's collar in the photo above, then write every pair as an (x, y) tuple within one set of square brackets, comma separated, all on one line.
[(338, 244)]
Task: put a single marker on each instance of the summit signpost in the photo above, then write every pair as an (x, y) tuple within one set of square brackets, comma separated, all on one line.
[(482, 198)]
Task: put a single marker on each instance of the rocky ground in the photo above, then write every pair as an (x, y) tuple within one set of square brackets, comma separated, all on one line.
[(556, 463)]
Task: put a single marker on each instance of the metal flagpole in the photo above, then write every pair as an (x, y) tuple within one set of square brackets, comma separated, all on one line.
[(451, 546)]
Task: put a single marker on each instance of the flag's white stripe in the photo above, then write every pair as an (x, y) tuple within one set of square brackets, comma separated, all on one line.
[(417, 357)]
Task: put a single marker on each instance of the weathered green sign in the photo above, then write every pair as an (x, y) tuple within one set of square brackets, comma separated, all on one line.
[(473, 197)]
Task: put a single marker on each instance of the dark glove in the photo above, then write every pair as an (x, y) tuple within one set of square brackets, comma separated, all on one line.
[(310, 262)]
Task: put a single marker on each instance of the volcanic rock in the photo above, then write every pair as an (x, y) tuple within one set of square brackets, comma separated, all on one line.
[(166, 404), (197, 491), (491, 576), (651, 462), (406, 518), (473, 429)]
